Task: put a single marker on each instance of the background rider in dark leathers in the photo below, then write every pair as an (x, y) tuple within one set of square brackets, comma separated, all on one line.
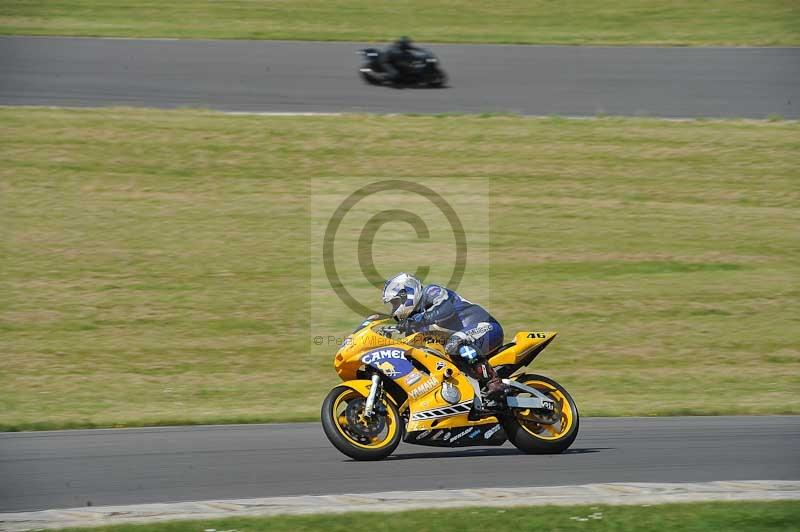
[(474, 333), (396, 58)]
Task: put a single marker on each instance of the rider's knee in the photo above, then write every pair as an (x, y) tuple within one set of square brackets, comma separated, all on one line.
[(468, 353), (454, 342), (461, 346)]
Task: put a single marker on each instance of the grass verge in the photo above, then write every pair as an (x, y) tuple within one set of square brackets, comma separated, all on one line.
[(616, 22), (710, 517), (156, 265)]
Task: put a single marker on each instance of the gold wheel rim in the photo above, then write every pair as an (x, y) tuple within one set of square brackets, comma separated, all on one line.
[(566, 416), (340, 420)]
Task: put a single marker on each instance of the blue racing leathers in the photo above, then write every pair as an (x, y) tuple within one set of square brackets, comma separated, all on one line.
[(471, 327)]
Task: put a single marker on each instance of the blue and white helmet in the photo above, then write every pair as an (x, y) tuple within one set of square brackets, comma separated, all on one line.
[(403, 292)]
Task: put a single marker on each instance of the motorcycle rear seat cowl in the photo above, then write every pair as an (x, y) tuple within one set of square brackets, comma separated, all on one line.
[(526, 344)]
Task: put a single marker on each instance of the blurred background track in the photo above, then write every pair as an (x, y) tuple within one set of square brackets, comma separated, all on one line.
[(271, 76)]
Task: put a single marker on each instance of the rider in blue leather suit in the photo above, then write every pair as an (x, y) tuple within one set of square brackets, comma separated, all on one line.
[(474, 333)]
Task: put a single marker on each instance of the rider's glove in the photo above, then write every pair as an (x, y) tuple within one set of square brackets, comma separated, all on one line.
[(417, 318), (412, 323), (405, 327)]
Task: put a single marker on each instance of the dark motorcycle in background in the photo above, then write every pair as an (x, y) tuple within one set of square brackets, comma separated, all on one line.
[(422, 70)]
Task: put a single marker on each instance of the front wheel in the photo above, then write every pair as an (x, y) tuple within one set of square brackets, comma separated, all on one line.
[(439, 80), (525, 428), (358, 437)]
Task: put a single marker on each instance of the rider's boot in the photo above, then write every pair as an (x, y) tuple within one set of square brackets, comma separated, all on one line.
[(490, 381), (495, 390)]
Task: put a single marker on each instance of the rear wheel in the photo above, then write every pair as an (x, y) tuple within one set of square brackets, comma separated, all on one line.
[(527, 429), (353, 434)]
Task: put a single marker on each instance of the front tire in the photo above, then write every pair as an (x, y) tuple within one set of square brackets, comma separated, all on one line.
[(352, 434), (440, 83), (537, 438)]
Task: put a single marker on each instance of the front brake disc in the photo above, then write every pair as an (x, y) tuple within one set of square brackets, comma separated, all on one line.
[(366, 427)]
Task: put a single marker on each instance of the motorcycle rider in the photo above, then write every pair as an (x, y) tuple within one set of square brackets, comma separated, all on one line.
[(474, 333), (396, 58)]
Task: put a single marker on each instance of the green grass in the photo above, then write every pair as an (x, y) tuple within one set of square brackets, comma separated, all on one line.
[(705, 517), (615, 22), (157, 265)]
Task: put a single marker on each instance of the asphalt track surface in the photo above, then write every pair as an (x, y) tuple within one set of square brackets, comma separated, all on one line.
[(267, 76), (67, 469)]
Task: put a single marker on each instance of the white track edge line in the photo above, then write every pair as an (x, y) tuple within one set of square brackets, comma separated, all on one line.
[(600, 116), (624, 493), (430, 44)]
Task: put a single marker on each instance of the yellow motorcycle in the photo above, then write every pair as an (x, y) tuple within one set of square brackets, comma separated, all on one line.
[(405, 387)]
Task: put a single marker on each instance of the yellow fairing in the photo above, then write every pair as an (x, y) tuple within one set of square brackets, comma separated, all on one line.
[(416, 384), (457, 421), (524, 343), (424, 388), (362, 386), (348, 359), (433, 401)]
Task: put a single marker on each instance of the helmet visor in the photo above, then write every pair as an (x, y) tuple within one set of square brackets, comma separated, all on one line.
[(395, 303)]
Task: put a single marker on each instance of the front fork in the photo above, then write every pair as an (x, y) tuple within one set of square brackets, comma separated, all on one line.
[(369, 406)]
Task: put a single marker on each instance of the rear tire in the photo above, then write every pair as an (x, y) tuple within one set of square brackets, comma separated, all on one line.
[(350, 439), (536, 438)]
